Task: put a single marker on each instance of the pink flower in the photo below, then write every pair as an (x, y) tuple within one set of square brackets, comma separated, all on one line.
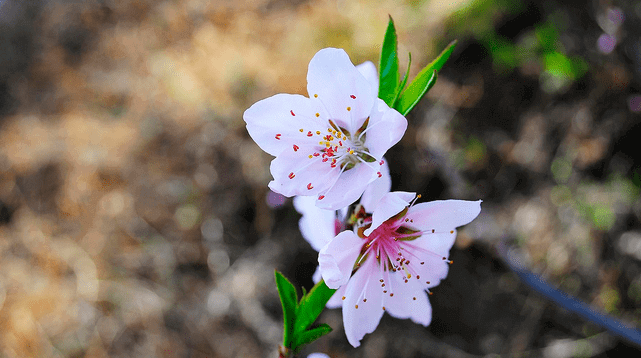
[(330, 145), (319, 226), (390, 259)]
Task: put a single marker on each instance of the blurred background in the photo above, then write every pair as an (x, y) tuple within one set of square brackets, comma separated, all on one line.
[(135, 218)]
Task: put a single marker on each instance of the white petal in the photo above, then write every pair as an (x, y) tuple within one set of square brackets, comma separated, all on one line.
[(333, 80), (318, 355), (386, 127), (272, 116), (368, 70), (409, 300), (443, 215), (389, 205), (364, 285), (306, 171), (348, 188), (336, 300), (336, 260), (317, 225), (376, 189)]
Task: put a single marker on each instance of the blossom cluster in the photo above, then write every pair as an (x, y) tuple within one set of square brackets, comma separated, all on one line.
[(386, 252)]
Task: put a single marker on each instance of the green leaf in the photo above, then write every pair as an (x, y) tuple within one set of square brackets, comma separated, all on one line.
[(423, 82), (413, 95), (389, 66), (310, 335), (402, 85), (312, 305), (289, 301)]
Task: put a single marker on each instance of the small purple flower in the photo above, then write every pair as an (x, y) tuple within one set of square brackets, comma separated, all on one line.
[(390, 259), (330, 145)]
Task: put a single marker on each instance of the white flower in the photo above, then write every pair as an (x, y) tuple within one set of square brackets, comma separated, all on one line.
[(330, 145), (391, 258)]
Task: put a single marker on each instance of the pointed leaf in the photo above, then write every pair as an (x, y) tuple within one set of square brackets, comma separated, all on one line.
[(402, 85), (309, 336), (289, 301), (388, 68), (423, 81), (312, 305), (413, 95)]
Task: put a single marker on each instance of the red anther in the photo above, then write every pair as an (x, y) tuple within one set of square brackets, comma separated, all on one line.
[(352, 96), (291, 175), (278, 136), (430, 293), (325, 159), (444, 258), (321, 197), (379, 174), (422, 263), (292, 112), (418, 277), (309, 134), (427, 282), (391, 294), (414, 298), (316, 154), (309, 186), (381, 162), (432, 231), (340, 143), (295, 147)]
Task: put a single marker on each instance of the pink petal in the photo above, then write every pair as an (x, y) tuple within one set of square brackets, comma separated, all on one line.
[(268, 118), (376, 189), (368, 70), (317, 225), (333, 80), (348, 187), (386, 127), (336, 260), (443, 215), (409, 300), (389, 205), (336, 300), (364, 285), (310, 176)]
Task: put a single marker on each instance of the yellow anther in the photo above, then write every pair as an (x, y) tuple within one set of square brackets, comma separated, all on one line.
[(351, 151), (317, 114), (349, 108), (318, 132), (310, 156), (315, 95), (301, 130)]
